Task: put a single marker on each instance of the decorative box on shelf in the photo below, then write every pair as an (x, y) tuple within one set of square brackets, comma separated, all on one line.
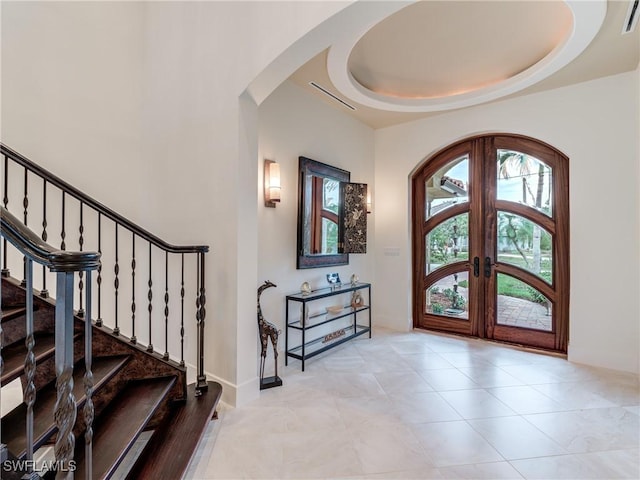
[(308, 334)]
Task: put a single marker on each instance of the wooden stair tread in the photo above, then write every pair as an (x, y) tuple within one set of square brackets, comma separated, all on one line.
[(14, 355), (10, 312), (14, 423), (123, 421), (171, 448)]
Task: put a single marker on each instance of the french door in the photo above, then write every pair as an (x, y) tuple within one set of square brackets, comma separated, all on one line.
[(491, 241)]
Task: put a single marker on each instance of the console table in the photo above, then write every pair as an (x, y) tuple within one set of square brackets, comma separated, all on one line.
[(344, 322)]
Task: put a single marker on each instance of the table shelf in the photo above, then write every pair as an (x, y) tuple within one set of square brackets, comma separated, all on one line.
[(305, 349)]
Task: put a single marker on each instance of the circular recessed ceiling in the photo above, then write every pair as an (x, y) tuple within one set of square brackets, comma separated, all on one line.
[(436, 55)]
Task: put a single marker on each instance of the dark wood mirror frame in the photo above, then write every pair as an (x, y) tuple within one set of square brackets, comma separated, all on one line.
[(311, 168)]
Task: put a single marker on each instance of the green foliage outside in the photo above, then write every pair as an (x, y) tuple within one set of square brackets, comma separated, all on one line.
[(441, 239), (512, 287)]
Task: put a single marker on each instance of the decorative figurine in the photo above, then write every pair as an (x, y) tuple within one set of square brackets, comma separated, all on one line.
[(305, 288), (354, 280), (334, 280), (356, 300), (268, 331)]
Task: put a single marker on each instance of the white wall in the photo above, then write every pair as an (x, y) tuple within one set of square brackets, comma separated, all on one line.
[(146, 96), (596, 125), (292, 123)]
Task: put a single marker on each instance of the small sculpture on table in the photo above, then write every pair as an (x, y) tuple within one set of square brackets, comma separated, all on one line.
[(268, 331)]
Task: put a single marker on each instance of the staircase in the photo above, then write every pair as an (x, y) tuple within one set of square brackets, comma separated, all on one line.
[(130, 412)]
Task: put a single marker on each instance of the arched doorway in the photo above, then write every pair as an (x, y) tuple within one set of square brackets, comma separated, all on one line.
[(490, 222)]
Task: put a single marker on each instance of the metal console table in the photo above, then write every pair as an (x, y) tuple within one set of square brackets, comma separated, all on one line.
[(307, 322)]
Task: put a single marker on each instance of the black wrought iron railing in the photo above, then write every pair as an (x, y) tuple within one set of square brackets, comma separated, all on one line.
[(43, 198), (63, 265)]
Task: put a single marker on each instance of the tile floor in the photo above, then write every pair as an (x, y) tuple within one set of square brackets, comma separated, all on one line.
[(421, 405)]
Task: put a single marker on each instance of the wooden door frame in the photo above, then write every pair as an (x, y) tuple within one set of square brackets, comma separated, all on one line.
[(479, 148)]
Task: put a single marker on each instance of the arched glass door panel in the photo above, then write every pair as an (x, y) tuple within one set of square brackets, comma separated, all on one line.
[(513, 275), (447, 243), (447, 187), (525, 244), (449, 297), (524, 179), (522, 306)]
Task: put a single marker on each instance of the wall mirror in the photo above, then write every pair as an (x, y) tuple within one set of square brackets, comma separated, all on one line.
[(331, 215), (318, 214)]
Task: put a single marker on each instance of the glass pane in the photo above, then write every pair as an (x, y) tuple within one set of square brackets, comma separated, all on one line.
[(447, 187), (520, 305), (329, 237), (449, 297), (524, 179), (525, 244), (330, 193), (447, 243)]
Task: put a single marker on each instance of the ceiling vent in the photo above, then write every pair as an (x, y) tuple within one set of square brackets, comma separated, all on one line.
[(631, 20), (327, 92)]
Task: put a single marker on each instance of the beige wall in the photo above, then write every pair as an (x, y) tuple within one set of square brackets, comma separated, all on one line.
[(146, 96), (292, 124), (596, 125)]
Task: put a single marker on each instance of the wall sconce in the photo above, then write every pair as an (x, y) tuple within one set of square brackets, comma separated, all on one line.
[(368, 202), (271, 183)]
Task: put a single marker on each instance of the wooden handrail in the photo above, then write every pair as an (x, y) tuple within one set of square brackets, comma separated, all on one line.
[(99, 207), (33, 247)]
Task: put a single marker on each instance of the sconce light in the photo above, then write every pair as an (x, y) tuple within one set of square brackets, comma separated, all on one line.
[(368, 202), (271, 183)]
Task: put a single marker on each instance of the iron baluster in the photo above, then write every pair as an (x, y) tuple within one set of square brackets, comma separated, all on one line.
[(44, 293), (166, 306), (29, 368), (116, 283), (81, 243), (25, 204), (3, 447), (99, 279), (5, 201), (63, 246), (65, 407), (150, 297), (134, 340), (182, 314), (88, 409), (201, 384)]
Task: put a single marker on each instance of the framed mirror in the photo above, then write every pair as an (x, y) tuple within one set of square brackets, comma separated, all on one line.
[(319, 225)]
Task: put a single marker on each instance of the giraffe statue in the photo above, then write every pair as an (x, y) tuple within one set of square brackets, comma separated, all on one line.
[(268, 331)]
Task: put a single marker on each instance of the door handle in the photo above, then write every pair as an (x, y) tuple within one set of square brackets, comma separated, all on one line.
[(476, 266), (487, 267)]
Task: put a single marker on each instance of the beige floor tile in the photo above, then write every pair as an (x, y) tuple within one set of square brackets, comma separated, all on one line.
[(490, 376), (614, 463), (372, 410), (526, 399), (448, 379), (573, 395), (515, 438), (455, 443), (389, 448), (383, 408), (592, 430), (402, 382), (532, 374), (476, 404), (425, 361), (481, 471), (421, 407), (319, 455), (561, 467)]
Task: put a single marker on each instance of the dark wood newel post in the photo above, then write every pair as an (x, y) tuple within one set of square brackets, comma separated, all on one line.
[(200, 317)]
